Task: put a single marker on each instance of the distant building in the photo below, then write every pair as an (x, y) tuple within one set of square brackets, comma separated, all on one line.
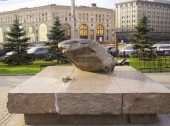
[(128, 13), (91, 22)]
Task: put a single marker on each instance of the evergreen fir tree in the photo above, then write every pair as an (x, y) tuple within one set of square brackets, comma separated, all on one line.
[(56, 34), (17, 42), (141, 38)]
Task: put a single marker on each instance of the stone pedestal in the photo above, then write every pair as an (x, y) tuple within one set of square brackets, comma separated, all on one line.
[(125, 95), (88, 120)]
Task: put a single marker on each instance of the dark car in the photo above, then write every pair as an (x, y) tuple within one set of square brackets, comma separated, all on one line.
[(111, 50), (2, 52), (39, 52)]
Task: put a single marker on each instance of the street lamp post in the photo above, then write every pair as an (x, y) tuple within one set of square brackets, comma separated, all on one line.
[(73, 18)]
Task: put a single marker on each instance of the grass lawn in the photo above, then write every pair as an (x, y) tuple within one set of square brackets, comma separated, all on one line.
[(149, 66), (25, 69), (36, 67)]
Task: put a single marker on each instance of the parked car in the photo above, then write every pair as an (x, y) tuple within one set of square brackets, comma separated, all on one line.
[(165, 49), (9, 53), (39, 52), (111, 50), (2, 52), (162, 49), (127, 50)]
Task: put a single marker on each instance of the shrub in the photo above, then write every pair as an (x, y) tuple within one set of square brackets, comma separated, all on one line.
[(18, 59)]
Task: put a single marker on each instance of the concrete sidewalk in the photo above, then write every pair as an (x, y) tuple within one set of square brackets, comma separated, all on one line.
[(9, 82), (163, 78)]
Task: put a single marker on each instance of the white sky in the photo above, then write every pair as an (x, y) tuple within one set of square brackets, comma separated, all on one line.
[(6, 5)]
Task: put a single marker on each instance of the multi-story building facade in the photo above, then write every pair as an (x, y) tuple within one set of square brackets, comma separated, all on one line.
[(158, 12), (91, 22)]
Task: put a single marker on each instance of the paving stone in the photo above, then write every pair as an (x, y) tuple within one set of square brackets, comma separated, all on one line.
[(6, 84)]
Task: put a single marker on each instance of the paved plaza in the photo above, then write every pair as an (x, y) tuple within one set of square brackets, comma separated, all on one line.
[(163, 78), (9, 82), (6, 84)]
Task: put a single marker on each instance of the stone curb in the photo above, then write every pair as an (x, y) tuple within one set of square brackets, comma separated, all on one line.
[(17, 74), (156, 72)]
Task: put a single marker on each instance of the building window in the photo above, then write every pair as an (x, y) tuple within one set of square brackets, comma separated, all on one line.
[(107, 32), (84, 31), (46, 16), (66, 19), (99, 33), (67, 29), (43, 33), (92, 34), (1, 35)]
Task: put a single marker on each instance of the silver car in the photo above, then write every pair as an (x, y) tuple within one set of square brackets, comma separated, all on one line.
[(127, 50), (165, 49)]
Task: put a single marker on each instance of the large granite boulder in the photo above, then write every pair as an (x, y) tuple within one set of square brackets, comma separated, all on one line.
[(87, 55)]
